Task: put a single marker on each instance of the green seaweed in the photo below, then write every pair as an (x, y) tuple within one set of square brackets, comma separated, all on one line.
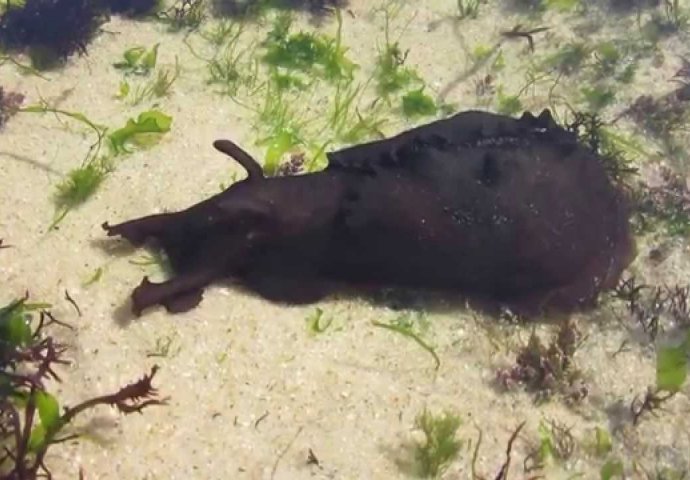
[(608, 56), (616, 60), (391, 74), (165, 347), (613, 468), (223, 32), (278, 118), (278, 144), (316, 323), (597, 97), (225, 72), (616, 151), (289, 81), (469, 8), (562, 5), (138, 60), (671, 375), (674, 19), (81, 182), (230, 68), (43, 107), (481, 53), (155, 88), (283, 139), (508, 104), (664, 206), (416, 103), (94, 278), (184, 15), (78, 186), (672, 366), (164, 81), (347, 122), (440, 446), (556, 444), (308, 52), (405, 326), (602, 445), (569, 58), (142, 132), (232, 71)]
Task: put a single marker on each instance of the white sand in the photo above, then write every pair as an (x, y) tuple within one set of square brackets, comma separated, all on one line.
[(350, 394)]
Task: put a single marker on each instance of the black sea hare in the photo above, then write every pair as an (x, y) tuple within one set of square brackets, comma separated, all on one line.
[(511, 210)]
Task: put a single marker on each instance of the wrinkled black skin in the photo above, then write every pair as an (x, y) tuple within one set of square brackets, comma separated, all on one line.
[(511, 210)]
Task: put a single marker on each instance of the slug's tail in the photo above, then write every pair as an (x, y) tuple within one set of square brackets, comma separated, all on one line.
[(254, 170)]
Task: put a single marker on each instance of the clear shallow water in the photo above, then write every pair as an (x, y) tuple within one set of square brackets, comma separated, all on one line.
[(251, 387)]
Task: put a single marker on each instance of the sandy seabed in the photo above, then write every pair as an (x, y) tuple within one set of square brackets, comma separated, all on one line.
[(250, 389)]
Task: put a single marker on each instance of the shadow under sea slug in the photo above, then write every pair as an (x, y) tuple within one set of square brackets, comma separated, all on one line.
[(514, 211)]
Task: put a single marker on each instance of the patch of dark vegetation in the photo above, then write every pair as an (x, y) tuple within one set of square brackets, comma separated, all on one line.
[(519, 32), (548, 369), (31, 420), (630, 6), (665, 206), (256, 8), (670, 19), (440, 446), (671, 368), (505, 467), (655, 308), (52, 30), (556, 442), (664, 116), (651, 402), (661, 116), (307, 53), (469, 8), (184, 14), (134, 8), (294, 166), (10, 102), (590, 130)]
